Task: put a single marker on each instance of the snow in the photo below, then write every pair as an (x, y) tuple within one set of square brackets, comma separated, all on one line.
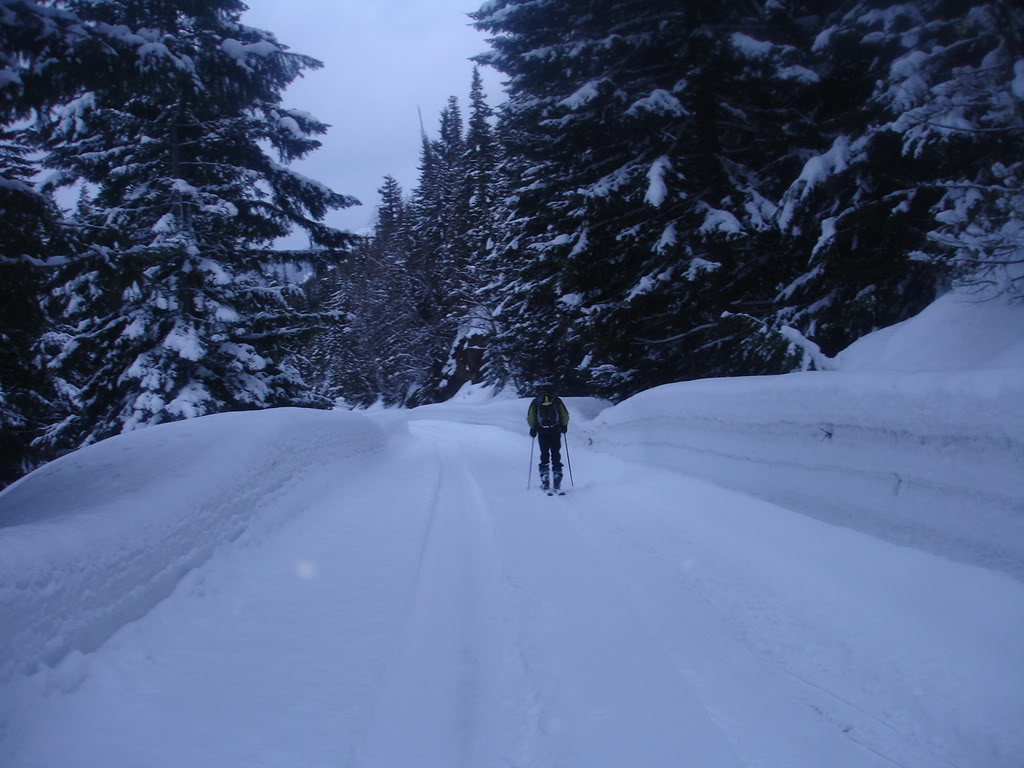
[(659, 101), (19, 187), (959, 333), (815, 171), (823, 39), (811, 351), (698, 266), (582, 243), (291, 125), (158, 51), (571, 299), (749, 46), (657, 189), (644, 285), (166, 223), (1018, 81), (582, 96), (716, 220), (191, 401), (240, 51), (814, 569), (71, 117), (668, 238), (786, 293), (819, 168), (800, 74), (216, 270), (828, 233), (185, 341), (614, 180)]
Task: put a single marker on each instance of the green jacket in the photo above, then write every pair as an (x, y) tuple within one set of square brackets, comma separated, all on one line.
[(563, 412)]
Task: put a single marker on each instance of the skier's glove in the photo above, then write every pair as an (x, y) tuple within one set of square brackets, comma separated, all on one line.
[(533, 432), (565, 428)]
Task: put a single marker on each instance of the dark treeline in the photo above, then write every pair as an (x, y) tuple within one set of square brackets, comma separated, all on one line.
[(670, 191), (681, 190)]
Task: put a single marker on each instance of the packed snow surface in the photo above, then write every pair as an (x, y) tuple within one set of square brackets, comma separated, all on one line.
[(820, 569)]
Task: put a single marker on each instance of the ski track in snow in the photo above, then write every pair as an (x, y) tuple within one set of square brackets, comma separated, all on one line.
[(430, 612)]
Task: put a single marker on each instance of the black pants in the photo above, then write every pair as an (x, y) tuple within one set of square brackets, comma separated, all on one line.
[(550, 442)]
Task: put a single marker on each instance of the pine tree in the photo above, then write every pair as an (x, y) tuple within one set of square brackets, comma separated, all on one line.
[(919, 176), (852, 215), (497, 273), (177, 310), (411, 296), (441, 251), (650, 141), (474, 359), (956, 96), (397, 341), (376, 348), (480, 168), (46, 54), (30, 229)]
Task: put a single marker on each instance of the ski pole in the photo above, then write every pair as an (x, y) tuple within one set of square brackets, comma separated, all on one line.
[(529, 470), (568, 460)]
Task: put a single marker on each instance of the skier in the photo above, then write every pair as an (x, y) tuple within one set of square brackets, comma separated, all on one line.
[(549, 420)]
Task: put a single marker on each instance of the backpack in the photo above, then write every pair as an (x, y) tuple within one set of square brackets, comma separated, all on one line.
[(548, 416)]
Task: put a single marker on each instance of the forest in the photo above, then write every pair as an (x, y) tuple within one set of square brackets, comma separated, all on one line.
[(667, 191)]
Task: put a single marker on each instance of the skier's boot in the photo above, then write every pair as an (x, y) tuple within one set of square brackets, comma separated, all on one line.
[(558, 480), (545, 478)]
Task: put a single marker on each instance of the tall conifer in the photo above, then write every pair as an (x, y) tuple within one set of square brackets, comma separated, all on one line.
[(46, 55), (178, 310), (649, 141)]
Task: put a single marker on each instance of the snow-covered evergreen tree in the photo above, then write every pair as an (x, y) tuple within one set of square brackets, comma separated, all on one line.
[(30, 229), (178, 309), (397, 344), (379, 340), (649, 142), (414, 316), (956, 97), (918, 178), (46, 54), (474, 359), (480, 174), (858, 211), (440, 262)]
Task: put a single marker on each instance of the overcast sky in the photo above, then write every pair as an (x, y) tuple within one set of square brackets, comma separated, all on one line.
[(382, 59)]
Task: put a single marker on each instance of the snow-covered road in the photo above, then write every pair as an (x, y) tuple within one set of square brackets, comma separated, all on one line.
[(415, 606)]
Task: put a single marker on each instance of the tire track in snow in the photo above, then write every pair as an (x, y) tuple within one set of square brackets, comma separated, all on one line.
[(452, 690), (597, 613), (596, 692), (271, 654)]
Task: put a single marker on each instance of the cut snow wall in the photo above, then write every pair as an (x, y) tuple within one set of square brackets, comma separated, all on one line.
[(99, 537), (935, 463)]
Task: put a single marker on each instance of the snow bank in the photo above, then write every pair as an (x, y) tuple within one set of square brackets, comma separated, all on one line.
[(959, 332), (94, 540), (918, 438)]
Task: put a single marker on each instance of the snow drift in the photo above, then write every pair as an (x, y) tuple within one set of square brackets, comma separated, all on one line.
[(97, 538), (918, 438)]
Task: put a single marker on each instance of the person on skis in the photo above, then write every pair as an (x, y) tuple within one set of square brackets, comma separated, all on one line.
[(549, 420)]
